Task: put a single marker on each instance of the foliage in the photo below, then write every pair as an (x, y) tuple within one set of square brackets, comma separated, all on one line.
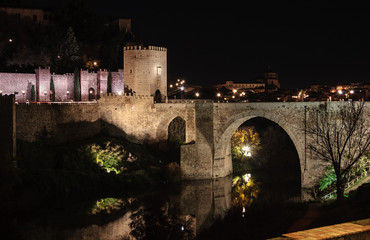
[(69, 47), (110, 157), (107, 205), (52, 89), (76, 85), (77, 35), (33, 93), (109, 83), (244, 137), (339, 135), (328, 182), (328, 179), (243, 192)]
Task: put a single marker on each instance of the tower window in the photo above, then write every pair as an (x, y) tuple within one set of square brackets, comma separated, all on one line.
[(159, 71)]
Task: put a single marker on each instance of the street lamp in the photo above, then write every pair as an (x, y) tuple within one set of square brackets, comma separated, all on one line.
[(23, 92), (67, 95), (45, 93), (197, 94)]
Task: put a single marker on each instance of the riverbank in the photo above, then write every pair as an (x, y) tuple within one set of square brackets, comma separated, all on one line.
[(85, 169)]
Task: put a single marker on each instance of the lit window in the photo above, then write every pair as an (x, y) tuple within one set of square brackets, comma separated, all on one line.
[(159, 71)]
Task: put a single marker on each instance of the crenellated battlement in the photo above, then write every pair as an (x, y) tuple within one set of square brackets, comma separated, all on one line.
[(113, 96), (139, 47), (7, 99)]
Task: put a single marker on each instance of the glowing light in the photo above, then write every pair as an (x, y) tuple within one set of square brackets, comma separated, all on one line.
[(197, 94), (182, 88), (23, 92), (234, 91), (119, 92), (340, 91), (171, 85), (10, 40), (95, 63), (182, 228), (351, 92), (218, 94), (247, 152), (233, 96), (246, 177)]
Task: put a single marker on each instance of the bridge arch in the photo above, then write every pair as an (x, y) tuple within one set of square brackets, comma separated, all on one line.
[(222, 165), (162, 131)]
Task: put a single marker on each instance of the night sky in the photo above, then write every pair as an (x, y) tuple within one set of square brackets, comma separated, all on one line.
[(310, 42)]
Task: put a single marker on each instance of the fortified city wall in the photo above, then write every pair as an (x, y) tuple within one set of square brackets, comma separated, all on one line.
[(93, 84)]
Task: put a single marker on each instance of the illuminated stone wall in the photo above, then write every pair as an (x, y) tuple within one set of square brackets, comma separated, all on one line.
[(145, 69), (140, 120), (57, 123)]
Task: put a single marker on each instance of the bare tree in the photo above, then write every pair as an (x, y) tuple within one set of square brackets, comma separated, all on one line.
[(339, 133)]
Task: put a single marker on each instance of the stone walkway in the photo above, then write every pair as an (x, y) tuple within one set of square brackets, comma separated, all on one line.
[(328, 232)]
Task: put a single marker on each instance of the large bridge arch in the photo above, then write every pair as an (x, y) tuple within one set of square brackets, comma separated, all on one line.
[(222, 165)]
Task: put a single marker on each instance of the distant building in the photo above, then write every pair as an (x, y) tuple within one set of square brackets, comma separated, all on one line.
[(271, 80), (47, 17), (39, 16), (253, 87)]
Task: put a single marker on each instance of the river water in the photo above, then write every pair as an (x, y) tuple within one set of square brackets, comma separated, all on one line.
[(244, 207)]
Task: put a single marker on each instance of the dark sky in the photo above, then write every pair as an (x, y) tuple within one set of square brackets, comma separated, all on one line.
[(305, 42)]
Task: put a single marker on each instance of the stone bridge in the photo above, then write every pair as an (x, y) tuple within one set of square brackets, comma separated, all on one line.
[(208, 127)]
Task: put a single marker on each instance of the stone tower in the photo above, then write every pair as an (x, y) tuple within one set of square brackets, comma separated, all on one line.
[(145, 70)]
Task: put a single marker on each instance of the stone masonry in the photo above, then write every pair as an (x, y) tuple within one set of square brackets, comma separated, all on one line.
[(93, 84), (145, 69)]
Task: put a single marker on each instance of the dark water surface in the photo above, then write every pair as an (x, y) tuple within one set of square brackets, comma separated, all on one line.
[(244, 207)]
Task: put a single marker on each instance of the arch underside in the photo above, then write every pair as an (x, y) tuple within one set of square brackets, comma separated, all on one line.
[(222, 165), (162, 130)]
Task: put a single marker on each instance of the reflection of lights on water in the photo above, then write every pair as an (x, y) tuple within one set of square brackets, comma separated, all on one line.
[(243, 211)]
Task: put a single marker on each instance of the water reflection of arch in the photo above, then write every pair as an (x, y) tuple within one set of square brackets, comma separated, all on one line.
[(222, 153), (205, 201)]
